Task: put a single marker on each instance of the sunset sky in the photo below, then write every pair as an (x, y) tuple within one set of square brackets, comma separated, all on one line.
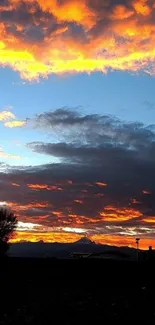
[(77, 119)]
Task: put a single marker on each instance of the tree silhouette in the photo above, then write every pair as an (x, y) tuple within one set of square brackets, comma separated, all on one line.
[(8, 224)]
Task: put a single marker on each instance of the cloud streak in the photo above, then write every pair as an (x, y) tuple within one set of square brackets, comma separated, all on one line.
[(14, 124), (95, 36)]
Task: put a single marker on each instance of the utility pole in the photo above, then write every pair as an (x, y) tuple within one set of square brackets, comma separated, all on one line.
[(137, 245)]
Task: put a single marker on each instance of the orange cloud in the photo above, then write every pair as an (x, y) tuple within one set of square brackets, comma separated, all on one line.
[(120, 12), (141, 7), (113, 214), (15, 184), (48, 237), (94, 37), (38, 187), (146, 192), (34, 205), (69, 11), (78, 201), (101, 184), (149, 220)]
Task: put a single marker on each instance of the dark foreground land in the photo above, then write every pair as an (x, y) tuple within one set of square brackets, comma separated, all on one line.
[(77, 292)]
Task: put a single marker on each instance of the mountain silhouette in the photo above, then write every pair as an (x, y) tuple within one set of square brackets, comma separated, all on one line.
[(85, 241), (65, 250)]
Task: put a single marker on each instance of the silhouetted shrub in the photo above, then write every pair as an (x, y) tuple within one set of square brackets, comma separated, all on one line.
[(8, 224)]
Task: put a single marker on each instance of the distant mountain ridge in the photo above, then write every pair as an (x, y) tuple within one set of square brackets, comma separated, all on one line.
[(65, 250), (85, 241)]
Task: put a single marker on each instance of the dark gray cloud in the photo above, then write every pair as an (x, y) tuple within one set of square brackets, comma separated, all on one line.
[(70, 193), (37, 204), (98, 130), (122, 154)]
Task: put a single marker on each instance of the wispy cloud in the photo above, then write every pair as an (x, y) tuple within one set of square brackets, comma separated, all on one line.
[(29, 226), (6, 115), (9, 120), (39, 187), (14, 124), (6, 155)]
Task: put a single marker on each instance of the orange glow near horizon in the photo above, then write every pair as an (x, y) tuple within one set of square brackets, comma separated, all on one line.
[(127, 38), (48, 237), (64, 237), (118, 240)]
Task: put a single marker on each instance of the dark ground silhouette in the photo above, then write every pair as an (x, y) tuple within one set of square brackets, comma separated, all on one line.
[(37, 291)]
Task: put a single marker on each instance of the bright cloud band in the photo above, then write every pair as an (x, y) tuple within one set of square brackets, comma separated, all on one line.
[(41, 37)]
